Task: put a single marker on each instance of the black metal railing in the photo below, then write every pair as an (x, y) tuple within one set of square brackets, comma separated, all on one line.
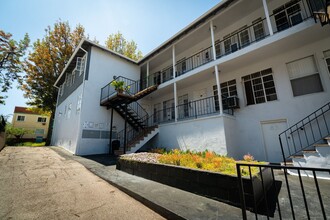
[(305, 133), (203, 57), (286, 16), (321, 11), (202, 107), (290, 14), (242, 38), (131, 87), (273, 193)]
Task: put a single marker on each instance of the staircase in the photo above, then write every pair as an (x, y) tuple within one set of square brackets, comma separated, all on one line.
[(321, 10), (307, 143), (140, 128)]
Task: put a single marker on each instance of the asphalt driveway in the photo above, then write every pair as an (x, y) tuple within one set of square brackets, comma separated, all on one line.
[(37, 183)]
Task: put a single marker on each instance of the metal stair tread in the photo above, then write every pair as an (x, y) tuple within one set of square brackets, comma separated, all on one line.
[(297, 156)]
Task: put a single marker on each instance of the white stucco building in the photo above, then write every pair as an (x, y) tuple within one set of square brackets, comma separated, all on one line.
[(267, 60)]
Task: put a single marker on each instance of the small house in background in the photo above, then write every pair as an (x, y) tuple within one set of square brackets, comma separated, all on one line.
[(37, 123)]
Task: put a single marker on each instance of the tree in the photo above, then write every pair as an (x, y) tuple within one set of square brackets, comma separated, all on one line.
[(119, 44), (11, 55), (18, 133), (46, 62)]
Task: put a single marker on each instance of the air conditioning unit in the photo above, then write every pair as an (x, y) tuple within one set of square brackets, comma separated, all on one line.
[(232, 102)]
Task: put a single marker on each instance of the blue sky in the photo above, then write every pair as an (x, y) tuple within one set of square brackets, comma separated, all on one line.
[(148, 22)]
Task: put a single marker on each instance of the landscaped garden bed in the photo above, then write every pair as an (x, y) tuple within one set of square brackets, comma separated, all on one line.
[(204, 173)]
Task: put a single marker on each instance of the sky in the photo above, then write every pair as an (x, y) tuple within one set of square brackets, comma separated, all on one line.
[(148, 22)]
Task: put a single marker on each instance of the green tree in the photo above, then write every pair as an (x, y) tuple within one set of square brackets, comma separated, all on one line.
[(46, 62), (18, 133), (119, 44), (11, 55)]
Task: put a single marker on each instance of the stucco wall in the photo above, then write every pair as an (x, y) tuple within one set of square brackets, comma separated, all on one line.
[(31, 123), (103, 67), (198, 135)]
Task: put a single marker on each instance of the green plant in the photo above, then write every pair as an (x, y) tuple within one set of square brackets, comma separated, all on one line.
[(120, 86), (207, 160)]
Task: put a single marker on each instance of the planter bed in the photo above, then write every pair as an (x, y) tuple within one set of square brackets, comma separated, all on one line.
[(218, 186)]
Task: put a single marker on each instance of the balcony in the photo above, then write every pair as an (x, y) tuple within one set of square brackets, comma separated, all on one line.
[(283, 17)]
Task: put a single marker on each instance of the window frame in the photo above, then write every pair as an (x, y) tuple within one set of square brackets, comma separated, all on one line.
[(18, 116), (42, 121), (253, 79)]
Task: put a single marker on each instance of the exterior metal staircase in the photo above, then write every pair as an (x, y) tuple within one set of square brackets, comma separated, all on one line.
[(307, 143), (321, 10), (125, 103)]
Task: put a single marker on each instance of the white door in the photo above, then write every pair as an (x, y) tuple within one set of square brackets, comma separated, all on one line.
[(271, 130)]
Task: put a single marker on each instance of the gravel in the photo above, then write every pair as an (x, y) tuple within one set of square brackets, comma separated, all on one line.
[(142, 157)]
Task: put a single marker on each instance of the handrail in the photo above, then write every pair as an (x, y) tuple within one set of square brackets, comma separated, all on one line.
[(306, 132)]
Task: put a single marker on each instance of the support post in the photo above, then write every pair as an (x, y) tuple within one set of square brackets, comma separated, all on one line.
[(111, 125), (212, 39), (216, 73), (173, 61), (147, 74), (175, 103), (269, 24), (125, 130)]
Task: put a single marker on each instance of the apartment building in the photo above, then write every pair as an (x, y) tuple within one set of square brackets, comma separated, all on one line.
[(230, 82), (37, 124)]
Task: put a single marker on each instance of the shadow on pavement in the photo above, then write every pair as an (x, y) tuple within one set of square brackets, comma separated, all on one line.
[(104, 159)]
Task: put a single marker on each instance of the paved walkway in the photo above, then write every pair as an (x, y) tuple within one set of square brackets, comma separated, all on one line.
[(174, 203), (38, 183), (170, 202)]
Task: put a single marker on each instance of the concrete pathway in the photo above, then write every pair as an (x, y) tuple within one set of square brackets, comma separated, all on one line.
[(170, 202), (38, 183)]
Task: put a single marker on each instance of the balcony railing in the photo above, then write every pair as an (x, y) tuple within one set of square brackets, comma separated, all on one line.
[(283, 17)]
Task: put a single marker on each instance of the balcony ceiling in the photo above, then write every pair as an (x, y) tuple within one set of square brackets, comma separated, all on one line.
[(289, 43)]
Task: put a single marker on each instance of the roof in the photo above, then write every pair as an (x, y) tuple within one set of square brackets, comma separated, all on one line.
[(199, 21), (81, 50), (25, 110), (85, 43)]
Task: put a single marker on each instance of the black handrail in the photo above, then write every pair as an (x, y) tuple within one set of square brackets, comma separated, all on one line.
[(276, 197), (305, 133)]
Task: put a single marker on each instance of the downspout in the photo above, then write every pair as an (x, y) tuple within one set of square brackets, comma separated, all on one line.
[(81, 106)]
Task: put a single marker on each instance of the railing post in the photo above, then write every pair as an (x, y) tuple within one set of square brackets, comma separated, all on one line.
[(125, 130), (111, 125), (195, 109), (241, 191), (175, 103)]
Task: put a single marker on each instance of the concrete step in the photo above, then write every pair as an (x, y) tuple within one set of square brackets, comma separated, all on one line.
[(321, 145)]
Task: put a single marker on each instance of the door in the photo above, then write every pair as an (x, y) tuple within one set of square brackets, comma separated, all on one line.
[(271, 130), (183, 106)]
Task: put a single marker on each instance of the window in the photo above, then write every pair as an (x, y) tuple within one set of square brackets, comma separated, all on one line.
[(41, 119), (259, 87), (288, 15), (304, 76), (231, 42), (327, 58), (244, 36), (258, 29), (68, 81), (61, 89), (217, 48), (183, 106), (80, 65), (39, 131), (20, 118), (227, 89)]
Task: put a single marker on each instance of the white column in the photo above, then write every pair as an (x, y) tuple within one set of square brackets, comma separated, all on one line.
[(175, 103), (216, 72), (173, 60), (148, 74), (212, 39), (270, 28)]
